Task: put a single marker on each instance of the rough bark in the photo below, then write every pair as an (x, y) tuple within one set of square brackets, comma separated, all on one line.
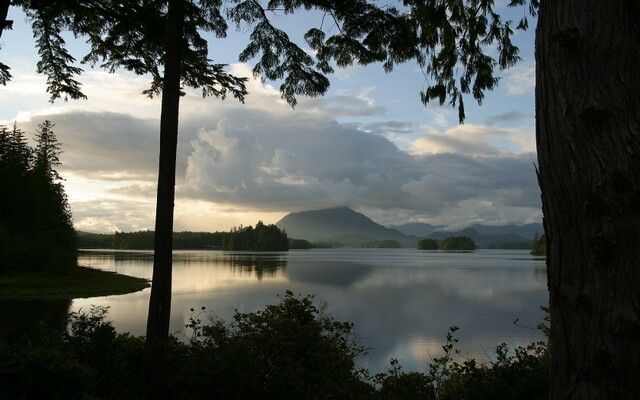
[(588, 138), (160, 300)]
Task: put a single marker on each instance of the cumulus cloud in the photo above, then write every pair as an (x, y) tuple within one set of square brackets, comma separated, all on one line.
[(474, 140), (308, 162), (263, 158), (520, 79)]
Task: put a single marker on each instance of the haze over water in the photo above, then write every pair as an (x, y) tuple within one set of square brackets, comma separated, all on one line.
[(402, 301)]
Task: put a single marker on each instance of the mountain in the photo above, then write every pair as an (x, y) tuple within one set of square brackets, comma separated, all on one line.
[(418, 229), (340, 224), (351, 228), (525, 232)]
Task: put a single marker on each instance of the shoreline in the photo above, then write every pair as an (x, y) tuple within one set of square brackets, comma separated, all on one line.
[(82, 282)]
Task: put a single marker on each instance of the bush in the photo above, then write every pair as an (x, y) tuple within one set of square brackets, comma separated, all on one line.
[(291, 350)]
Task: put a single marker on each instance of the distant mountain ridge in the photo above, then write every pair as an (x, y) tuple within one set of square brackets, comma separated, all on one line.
[(351, 228), (340, 224), (419, 229)]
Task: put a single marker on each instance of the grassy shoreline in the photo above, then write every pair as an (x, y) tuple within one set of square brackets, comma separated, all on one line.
[(82, 282)]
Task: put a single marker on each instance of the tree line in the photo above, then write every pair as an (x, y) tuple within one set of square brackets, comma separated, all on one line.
[(261, 238), (448, 243), (143, 240), (36, 229)]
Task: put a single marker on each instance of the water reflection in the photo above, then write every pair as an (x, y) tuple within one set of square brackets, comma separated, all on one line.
[(402, 301)]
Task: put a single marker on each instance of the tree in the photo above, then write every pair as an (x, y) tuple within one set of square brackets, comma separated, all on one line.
[(36, 230), (587, 133), (164, 39), (539, 245), (586, 127)]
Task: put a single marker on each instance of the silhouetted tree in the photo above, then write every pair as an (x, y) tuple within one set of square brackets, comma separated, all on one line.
[(36, 230), (586, 128)]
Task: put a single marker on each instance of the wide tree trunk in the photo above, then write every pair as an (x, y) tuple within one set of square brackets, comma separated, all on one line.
[(588, 138), (160, 300)]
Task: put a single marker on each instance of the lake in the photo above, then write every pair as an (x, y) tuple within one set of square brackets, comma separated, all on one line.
[(402, 301)]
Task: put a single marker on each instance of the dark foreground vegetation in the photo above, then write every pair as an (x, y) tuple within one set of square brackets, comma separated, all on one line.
[(291, 350)]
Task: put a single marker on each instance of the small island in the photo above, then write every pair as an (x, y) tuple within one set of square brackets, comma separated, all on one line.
[(539, 247), (428, 244), (451, 243)]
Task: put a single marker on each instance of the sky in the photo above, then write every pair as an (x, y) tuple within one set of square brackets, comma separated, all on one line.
[(368, 144)]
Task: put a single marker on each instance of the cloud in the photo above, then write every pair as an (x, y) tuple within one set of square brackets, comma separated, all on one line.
[(111, 215), (307, 162), (508, 117), (264, 158), (474, 140), (105, 145), (520, 79)]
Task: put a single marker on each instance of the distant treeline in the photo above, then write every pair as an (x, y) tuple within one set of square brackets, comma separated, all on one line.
[(524, 245), (36, 231), (382, 244), (143, 240), (448, 243), (261, 238)]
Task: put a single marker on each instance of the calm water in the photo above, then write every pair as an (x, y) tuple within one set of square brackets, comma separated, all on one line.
[(402, 300)]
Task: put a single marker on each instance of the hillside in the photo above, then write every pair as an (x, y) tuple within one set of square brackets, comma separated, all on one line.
[(340, 224), (352, 228), (524, 232)]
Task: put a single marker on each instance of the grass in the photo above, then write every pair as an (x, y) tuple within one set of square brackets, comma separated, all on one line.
[(82, 282)]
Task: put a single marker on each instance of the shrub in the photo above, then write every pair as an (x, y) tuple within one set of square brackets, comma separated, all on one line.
[(290, 350)]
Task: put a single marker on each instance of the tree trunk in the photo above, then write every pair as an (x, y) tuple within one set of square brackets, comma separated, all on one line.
[(588, 138), (160, 300)]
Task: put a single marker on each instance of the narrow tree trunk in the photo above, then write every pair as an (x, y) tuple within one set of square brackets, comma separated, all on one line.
[(588, 138), (160, 301)]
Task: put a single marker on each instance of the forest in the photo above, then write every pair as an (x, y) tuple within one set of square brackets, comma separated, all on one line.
[(261, 238), (36, 230)]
